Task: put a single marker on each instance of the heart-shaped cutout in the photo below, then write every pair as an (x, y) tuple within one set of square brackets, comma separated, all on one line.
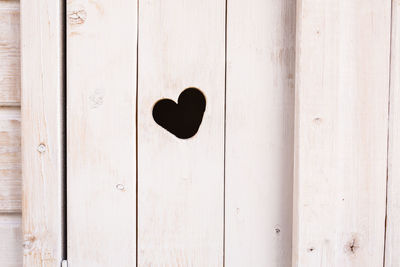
[(182, 119)]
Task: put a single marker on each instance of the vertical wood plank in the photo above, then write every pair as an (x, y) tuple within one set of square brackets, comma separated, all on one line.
[(101, 161), (42, 148), (392, 257), (259, 132), (342, 88), (181, 181)]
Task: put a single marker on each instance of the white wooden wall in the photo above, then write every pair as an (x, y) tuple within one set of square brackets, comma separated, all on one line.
[(137, 195)]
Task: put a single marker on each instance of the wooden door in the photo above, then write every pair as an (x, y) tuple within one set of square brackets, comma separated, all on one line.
[(137, 193), (116, 172)]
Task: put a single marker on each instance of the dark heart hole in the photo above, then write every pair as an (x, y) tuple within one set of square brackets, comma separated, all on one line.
[(182, 119)]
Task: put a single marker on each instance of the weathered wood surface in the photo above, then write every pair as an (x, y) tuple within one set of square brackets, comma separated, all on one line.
[(10, 240), (259, 132), (342, 89), (10, 159), (42, 148), (9, 53), (10, 135), (101, 132), (392, 257), (181, 181)]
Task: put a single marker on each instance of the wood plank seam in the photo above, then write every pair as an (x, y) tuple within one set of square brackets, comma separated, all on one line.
[(391, 257), (388, 139)]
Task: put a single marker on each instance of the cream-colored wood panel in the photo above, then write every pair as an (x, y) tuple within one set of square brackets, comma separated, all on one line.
[(342, 89), (101, 133), (259, 132), (42, 131), (181, 181)]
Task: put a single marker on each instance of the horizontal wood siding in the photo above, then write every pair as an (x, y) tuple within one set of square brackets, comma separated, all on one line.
[(10, 240), (9, 53), (10, 160), (10, 136)]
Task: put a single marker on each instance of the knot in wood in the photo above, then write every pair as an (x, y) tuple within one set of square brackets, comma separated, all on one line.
[(28, 242), (77, 16)]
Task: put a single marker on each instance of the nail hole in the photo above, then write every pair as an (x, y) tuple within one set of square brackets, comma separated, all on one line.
[(41, 148), (120, 187)]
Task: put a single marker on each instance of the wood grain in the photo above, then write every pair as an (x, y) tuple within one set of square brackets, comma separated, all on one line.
[(101, 132), (392, 257), (10, 135), (342, 89), (9, 53), (11, 240), (42, 131), (10, 159), (259, 132), (181, 181)]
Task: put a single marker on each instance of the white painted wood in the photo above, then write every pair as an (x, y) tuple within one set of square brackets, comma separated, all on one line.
[(10, 159), (259, 132), (392, 257), (42, 150), (101, 78), (181, 181), (342, 88), (9, 53), (10, 240), (10, 137)]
